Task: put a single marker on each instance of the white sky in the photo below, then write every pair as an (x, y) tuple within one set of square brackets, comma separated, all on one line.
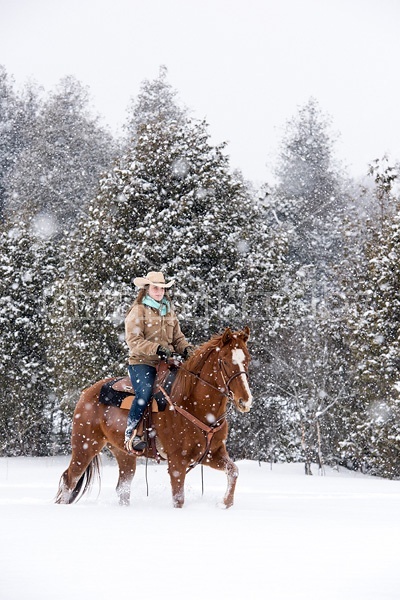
[(244, 65)]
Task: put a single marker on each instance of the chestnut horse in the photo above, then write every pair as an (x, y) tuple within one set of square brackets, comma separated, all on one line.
[(191, 430)]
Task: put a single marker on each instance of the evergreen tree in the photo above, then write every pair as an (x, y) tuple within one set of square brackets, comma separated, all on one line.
[(59, 169), (309, 197), (307, 356), (158, 102), (52, 155), (15, 114), (27, 269), (373, 331)]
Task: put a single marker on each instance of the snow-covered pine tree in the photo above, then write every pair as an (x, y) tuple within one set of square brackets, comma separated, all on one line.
[(15, 115), (373, 333), (309, 196), (59, 169), (27, 270), (307, 357)]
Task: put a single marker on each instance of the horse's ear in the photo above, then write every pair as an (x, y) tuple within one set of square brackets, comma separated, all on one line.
[(226, 336), (246, 333)]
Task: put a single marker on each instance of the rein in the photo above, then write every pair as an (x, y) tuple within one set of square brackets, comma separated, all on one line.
[(228, 395)]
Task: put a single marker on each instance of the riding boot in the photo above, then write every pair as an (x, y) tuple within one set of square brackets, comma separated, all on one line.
[(134, 443)]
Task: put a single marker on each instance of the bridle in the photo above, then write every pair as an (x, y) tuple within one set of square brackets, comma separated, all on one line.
[(226, 382)]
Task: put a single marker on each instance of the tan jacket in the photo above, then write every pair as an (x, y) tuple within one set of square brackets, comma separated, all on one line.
[(145, 330)]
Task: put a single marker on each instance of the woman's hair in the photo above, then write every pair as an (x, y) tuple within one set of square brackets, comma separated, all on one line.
[(141, 294)]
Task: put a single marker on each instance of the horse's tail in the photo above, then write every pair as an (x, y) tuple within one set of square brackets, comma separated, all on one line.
[(85, 483)]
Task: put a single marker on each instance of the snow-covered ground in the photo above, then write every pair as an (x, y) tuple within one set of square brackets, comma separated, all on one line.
[(288, 536)]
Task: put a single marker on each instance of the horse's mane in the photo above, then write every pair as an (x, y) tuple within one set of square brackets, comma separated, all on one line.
[(196, 362), (186, 380)]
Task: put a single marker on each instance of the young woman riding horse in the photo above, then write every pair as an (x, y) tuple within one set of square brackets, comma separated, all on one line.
[(152, 333), (194, 428)]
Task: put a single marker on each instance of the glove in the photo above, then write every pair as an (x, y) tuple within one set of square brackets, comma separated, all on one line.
[(163, 352), (187, 353)]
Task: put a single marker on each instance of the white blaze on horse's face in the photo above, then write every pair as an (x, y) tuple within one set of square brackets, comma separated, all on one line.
[(238, 358)]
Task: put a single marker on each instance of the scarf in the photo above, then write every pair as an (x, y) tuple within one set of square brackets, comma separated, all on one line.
[(163, 307)]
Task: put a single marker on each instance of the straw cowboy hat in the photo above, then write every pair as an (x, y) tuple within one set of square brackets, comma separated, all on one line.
[(152, 278)]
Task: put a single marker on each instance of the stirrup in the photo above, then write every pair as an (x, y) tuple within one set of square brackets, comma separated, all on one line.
[(135, 443)]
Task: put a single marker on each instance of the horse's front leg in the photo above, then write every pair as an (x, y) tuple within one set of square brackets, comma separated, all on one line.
[(177, 474), (232, 473), (223, 462)]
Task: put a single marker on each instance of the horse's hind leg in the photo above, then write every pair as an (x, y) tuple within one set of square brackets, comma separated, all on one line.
[(223, 462), (82, 465), (87, 441), (73, 478), (127, 468)]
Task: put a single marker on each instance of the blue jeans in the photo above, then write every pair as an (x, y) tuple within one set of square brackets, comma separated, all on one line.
[(142, 378)]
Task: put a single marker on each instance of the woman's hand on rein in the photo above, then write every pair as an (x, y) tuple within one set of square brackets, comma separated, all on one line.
[(164, 353)]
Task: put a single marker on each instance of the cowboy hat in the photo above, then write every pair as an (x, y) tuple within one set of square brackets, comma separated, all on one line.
[(152, 278)]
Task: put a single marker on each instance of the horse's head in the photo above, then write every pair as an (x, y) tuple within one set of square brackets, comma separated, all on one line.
[(234, 359)]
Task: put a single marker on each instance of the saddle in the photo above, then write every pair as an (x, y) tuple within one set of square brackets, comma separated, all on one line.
[(119, 392)]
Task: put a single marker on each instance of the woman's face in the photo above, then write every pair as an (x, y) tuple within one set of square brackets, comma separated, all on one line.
[(156, 292)]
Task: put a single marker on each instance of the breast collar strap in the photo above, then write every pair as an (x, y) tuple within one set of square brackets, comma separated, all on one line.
[(208, 430)]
